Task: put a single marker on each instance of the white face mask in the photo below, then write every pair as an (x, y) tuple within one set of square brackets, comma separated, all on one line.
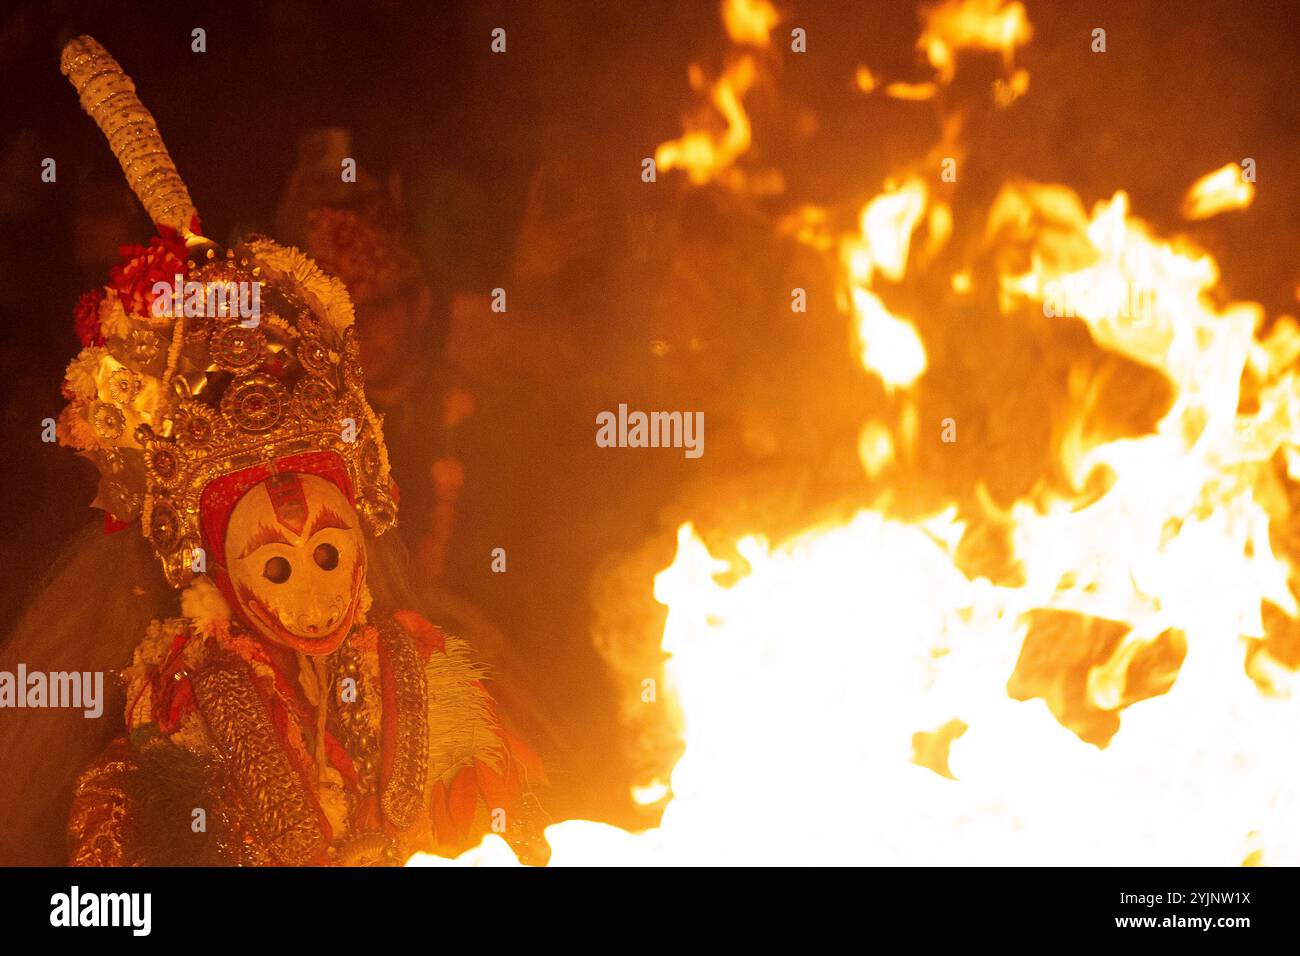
[(296, 558)]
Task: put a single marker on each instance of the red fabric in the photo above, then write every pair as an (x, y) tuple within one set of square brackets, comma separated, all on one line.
[(495, 788), (288, 705), (440, 815), (525, 766), (169, 699), (462, 799), (427, 636), (338, 757), (112, 525), (221, 495), (451, 808), (367, 248)]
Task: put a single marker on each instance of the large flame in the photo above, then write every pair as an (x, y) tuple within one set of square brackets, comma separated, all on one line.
[(852, 695)]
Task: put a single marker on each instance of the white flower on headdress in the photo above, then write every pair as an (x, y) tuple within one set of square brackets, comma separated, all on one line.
[(326, 295), (203, 603), (114, 323), (82, 375), (74, 428)]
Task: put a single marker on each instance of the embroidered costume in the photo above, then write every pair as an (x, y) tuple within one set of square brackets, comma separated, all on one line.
[(284, 718)]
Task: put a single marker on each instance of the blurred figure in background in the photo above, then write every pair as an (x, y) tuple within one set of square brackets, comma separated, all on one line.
[(361, 233)]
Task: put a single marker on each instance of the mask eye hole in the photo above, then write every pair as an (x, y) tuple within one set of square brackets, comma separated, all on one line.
[(326, 556), (277, 570)]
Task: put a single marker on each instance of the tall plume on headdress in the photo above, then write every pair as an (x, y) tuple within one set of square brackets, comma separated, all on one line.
[(108, 96)]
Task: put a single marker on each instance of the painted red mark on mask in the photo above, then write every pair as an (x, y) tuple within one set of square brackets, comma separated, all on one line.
[(289, 500)]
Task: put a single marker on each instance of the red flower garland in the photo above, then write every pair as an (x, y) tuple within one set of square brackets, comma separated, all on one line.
[(133, 279), (86, 318)]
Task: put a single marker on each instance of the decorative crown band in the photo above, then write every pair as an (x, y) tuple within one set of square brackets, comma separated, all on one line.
[(289, 384)]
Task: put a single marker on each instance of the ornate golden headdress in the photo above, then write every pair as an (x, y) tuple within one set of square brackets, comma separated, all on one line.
[(251, 357)]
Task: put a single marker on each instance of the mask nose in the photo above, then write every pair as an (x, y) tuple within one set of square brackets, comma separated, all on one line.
[(319, 620)]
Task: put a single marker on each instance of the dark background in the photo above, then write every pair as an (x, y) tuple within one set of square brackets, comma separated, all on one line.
[(522, 171)]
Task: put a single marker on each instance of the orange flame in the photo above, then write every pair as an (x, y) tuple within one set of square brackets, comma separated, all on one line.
[(749, 21), (912, 91), (994, 25), (852, 695), (705, 153), (1220, 191), (891, 347)]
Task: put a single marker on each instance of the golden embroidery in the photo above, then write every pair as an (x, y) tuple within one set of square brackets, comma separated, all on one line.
[(368, 849), (404, 673), (97, 823), (357, 732), (274, 795)]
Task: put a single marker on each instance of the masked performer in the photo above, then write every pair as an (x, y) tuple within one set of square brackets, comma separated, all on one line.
[(287, 717)]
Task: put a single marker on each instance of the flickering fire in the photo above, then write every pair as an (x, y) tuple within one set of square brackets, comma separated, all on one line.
[(911, 91), (972, 24), (719, 133), (1216, 192), (749, 21), (706, 153), (851, 695), (890, 345), (952, 25)]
